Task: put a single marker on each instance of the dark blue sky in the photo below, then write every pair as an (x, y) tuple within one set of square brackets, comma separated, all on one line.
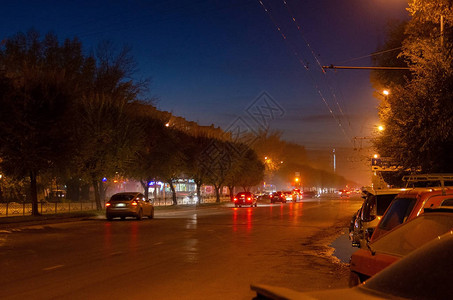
[(209, 59)]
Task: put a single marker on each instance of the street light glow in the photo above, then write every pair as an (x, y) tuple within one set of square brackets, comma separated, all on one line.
[(381, 128), (386, 92)]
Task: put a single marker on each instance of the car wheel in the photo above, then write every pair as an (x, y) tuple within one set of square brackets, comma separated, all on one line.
[(151, 216), (354, 279), (256, 204), (123, 218), (110, 218), (140, 215)]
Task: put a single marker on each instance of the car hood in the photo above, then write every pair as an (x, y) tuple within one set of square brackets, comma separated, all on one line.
[(280, 293)]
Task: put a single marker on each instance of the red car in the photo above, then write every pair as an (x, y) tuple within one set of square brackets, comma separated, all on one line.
[(344, 193), (399, 243), (278, 197), (245, 198), (410, 204)]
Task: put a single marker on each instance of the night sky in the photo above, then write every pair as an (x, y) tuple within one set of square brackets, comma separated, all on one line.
[(209, 60)]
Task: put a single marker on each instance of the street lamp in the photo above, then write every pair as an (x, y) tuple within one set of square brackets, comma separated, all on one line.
[(381, 128), (386, 92)]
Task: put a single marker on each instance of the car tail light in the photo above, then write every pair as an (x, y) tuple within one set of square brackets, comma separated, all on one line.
[(134, 203), (235, 199), (249, 199), (108, 204)]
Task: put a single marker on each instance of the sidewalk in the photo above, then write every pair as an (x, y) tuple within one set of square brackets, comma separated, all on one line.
[(15, 221)]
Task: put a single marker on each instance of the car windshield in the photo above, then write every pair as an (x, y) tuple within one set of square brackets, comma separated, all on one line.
[(397, 213), (414, 234), (122, 197)]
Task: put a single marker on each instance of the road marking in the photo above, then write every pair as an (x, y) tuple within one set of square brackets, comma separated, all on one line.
[(53, 268)]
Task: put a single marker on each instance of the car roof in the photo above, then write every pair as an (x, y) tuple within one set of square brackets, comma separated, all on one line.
[(127, 193), (383, 191), (414, 192)]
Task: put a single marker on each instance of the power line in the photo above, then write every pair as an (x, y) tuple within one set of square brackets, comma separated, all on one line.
[(300, 60), (326, 79)]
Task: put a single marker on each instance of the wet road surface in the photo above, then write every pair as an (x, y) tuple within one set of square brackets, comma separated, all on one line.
[(194, 253)]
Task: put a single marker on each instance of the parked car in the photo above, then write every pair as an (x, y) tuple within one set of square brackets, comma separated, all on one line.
[(410, 204), (278, 197), (426, 273), (129, 204), (399, 242), (374, 205), (245, 198)]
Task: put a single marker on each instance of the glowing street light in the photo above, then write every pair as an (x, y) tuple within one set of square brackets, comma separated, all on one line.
[(381, 128), (386, 92)]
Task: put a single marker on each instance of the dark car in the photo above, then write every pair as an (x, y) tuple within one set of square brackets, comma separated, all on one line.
[(424, 274), (399, 243), (278, 197), (129, 204), (310, 194), (374, 205), (245, 198)]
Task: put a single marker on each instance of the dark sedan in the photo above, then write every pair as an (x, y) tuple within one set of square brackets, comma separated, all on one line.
[(244, 198), (129, 204)]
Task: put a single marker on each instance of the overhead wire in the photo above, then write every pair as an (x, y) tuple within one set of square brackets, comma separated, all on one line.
[(324, 75), (305, 65)]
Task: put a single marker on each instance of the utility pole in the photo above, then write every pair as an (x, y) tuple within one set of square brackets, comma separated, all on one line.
[(334, 162)]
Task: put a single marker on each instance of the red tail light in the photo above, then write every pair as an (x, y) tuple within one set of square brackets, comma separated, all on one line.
[(249, 199), (108, 204), (235, 199), (134, 203)]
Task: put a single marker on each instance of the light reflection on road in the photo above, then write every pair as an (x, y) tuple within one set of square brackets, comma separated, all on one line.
[(243, 218), (134, 237), (108, 236), (190, 247)]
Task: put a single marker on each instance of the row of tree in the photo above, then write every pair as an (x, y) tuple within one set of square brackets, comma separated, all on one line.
[(81, 117), (418, 112)]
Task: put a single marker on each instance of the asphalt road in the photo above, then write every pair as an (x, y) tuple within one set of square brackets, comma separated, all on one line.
[(194, 253)]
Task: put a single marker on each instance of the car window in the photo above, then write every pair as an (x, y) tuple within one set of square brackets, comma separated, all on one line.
[(447, 202), (414, 233), (122, 197), (368, 207), (397, 213), (383, 202)]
